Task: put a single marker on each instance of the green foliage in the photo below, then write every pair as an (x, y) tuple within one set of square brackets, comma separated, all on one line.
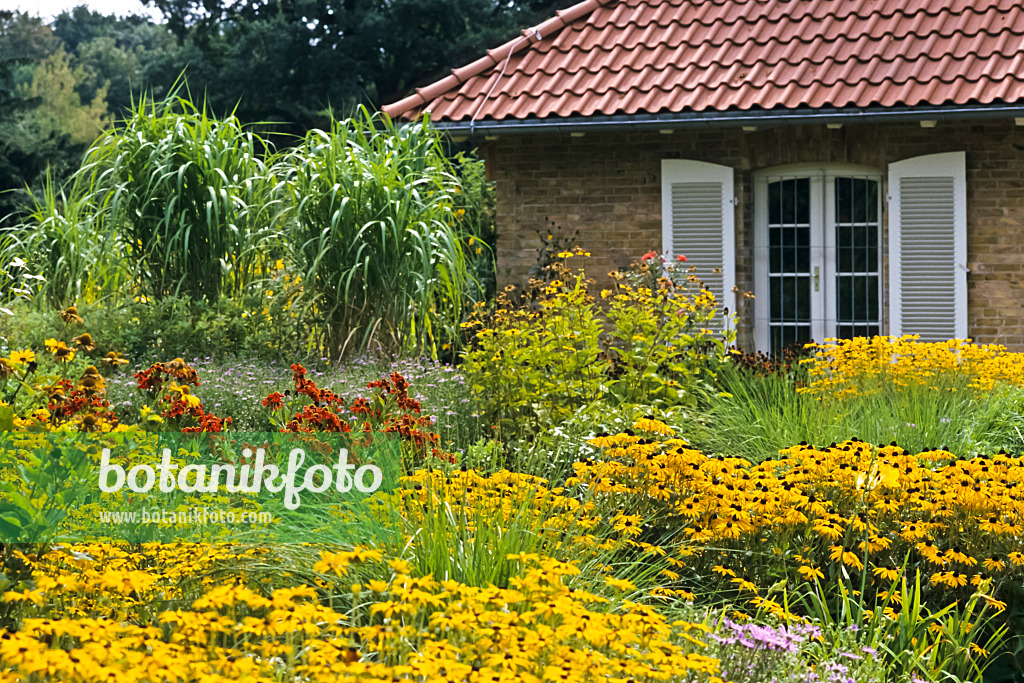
[(474, 205), (78, 260), (109, 70), (24, 37), (456, 529), (157, 330), (559, 352), (348, 242), (376, 242), (43, 125), (41, 480), (538, 368), (125, 56), (172, 203), (661, 343), (755, 415), (455, 542)]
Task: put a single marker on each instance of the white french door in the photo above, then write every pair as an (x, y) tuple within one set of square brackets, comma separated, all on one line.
[(817, 246)]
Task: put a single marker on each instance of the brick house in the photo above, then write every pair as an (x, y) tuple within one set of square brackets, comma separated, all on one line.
[(856, 164)]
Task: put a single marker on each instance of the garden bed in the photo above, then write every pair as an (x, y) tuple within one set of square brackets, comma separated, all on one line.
[(538, 532)]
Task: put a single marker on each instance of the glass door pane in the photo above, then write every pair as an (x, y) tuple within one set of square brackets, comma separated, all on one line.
[(857, 254), (789, 262)]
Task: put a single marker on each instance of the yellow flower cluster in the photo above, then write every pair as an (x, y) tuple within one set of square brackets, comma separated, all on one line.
[(50, 400), (817, 512), (495, 499), (842, 367), (109, 613)]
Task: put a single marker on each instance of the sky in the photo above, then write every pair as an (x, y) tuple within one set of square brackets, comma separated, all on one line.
[(48, 9)]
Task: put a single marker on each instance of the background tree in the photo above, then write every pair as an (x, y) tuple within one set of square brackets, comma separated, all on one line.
[(60, 110), (25, 39), (26, 150), (290, 60), (61, 84), (128, 56), (280, 64)]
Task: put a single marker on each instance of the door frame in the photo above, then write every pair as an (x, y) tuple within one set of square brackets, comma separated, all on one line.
[(822, 177)]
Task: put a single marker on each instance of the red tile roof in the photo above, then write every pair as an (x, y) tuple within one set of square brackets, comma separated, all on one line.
[(613, 57)]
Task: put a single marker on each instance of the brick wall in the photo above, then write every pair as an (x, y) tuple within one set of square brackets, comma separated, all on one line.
[(608, 187)]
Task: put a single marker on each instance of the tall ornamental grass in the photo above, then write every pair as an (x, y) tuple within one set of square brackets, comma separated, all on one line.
[(172, 202), (190, 198), (374, 235), (61, 247), (352, 234)]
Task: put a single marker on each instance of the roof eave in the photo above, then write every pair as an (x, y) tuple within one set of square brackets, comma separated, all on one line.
[(706, 119)]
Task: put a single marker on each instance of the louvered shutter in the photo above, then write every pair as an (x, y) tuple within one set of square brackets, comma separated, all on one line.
[(698, 221), (928, 247)]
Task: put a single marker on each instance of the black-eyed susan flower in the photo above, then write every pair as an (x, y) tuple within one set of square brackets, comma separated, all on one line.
[(993, 564), (620, 584), (838, 553), (648, 423), (114, 359), (61, 352), (744, 584), (628, 525), (603, 440), (22, 357), (70, 315), (950, 579), (931, 553), (84, 341), (957, 556), (887, 573), (997, 605), (810, 573)]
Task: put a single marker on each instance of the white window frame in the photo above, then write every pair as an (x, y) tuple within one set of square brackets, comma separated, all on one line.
[(822, 240)]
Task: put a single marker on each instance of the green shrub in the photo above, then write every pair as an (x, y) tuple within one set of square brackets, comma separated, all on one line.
[(559, 351), (61, 254), (174, 201), (189, 196), (357, 238), (158, 330)]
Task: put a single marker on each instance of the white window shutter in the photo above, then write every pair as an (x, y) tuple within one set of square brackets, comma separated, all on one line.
[(699, 221), (928, 247)]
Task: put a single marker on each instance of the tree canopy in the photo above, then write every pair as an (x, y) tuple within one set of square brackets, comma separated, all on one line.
[(299, 57), (283, 63)]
